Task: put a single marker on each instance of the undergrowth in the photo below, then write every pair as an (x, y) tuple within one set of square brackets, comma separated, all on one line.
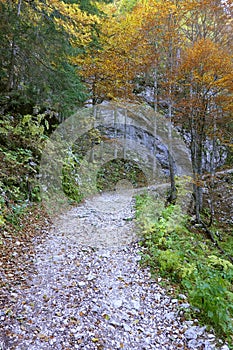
[(188, 260)]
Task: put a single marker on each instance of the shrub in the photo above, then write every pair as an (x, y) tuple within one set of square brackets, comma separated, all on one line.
[(189, 260)]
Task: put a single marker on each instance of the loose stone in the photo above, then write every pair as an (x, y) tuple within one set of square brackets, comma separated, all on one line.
[(89, 291)]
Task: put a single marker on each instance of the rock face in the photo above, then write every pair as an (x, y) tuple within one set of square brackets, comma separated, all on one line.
[(220, 153), (150, 145), (132, 132), (86, 296), (144, 134)]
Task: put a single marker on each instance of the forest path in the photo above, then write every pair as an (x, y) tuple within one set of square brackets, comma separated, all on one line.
[(89, 291)]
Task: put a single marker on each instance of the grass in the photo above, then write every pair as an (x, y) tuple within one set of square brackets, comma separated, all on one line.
[(188, 260)]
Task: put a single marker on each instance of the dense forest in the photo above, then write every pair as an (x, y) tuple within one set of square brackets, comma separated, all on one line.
[(176, 56)]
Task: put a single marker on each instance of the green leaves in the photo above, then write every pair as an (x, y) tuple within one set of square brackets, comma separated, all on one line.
[(210, 296), (189, 261), (22, 141), (35, 53)]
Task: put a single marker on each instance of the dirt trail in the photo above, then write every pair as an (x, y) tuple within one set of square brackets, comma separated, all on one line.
[(89, 291)]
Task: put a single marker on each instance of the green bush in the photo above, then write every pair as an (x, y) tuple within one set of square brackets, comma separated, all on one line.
[(69, 183), (21, 143), (212, 297), (188, 260)]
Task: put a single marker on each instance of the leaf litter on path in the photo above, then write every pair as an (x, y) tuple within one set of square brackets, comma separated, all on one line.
[(86, 290)]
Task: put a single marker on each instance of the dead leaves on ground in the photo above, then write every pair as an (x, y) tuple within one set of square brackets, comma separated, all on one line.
[(17, 251)]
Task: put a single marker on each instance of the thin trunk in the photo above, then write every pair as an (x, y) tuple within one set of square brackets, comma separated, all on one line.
[(19, 7), (154, 174), (201, 140), (173, 191), (197, 169), (96, 115), (212, 172), (155, 90), (11, 75), (170, 64), (196, 179), (115, 133), (197, 127), (194, 152), (94, 97), (124, 142)]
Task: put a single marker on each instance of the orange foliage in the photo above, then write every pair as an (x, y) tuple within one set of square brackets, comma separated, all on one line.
[(208, 70)]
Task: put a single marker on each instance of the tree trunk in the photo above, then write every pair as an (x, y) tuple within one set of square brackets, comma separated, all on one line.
[(196, 156), (173, 191), (11, 74), (155, 87), (212, 172)]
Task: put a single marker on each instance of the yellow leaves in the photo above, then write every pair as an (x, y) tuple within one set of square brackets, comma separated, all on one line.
[(95, 340), (155, 34), (68, 17), (75, 22), (59, 314), (206, 75), (209, 64), (125, 50), (43, 337)]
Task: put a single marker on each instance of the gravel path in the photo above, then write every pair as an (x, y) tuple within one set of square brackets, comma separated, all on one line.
[(90, 293)]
